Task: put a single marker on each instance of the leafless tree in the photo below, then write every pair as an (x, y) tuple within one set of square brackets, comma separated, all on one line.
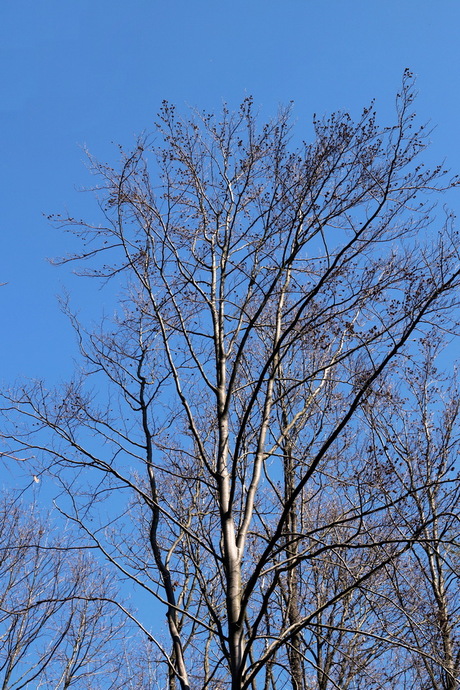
[(58, 626), (417, 446), (214, 448)]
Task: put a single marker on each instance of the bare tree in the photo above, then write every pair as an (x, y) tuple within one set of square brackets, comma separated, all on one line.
[(213, 446), (58, 625), (417, 446)]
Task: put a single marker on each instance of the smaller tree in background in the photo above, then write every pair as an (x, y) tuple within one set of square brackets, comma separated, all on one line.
[(415, 444), (59, 624)]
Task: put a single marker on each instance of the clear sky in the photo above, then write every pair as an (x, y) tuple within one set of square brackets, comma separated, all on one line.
[(90, 72)]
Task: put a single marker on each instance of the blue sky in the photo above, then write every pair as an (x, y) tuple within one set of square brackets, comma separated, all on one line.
[(88, 73)]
